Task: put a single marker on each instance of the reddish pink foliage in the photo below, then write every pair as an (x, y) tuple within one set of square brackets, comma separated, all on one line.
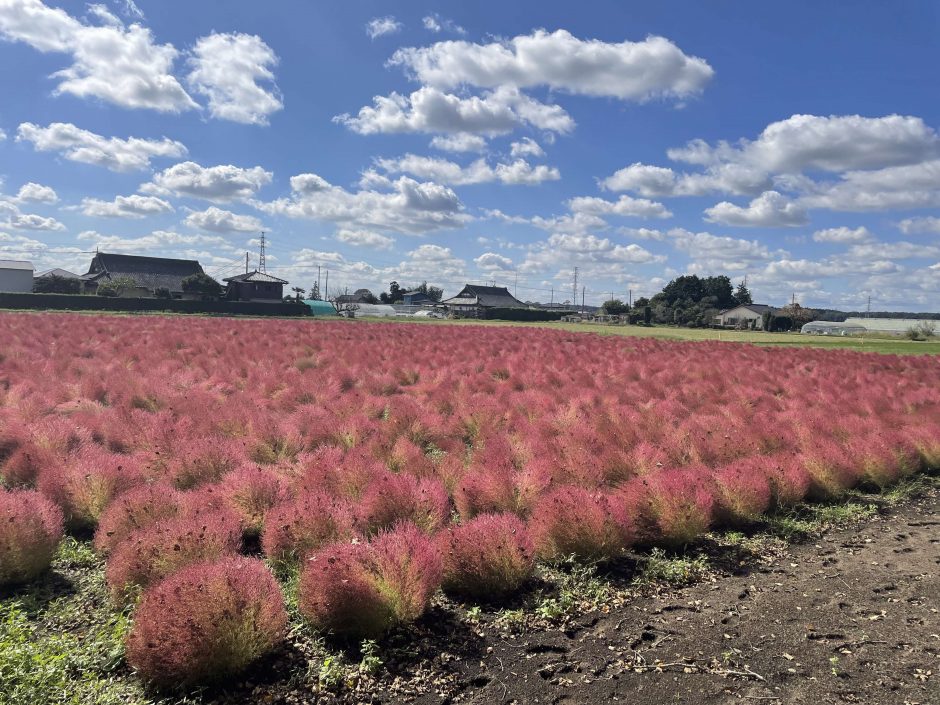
[(206, 623), (84, 487), (489, 556), (151, 554), (251, 492), (30, 530), (361, 590), (303, 524), (338, 593), (203, 460), (392, 497), (623, 440), (573, 521), (672, 507), (743, 490), (138, 508)]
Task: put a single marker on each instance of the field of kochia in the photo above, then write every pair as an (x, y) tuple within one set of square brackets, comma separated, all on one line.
[(222, 466)]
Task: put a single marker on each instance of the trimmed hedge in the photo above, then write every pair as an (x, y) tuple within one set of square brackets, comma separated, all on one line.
[(522, 314), (74, 302)]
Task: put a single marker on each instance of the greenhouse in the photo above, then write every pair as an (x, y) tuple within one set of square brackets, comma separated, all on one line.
[(832, 328), (320, 308)]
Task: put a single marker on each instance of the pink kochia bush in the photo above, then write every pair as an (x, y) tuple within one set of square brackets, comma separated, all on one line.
[(251, 492), (152, 553), (294, 528), (574, 521), (360, 590), (672, 507), (391, 498), (136, 509), (30, 530), (86, 485), (206, 623), (594, 443), (488, 557)]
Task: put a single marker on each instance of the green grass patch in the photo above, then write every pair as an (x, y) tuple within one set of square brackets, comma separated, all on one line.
[(661, 568)]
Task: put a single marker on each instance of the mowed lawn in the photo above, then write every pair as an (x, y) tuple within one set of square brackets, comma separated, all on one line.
[(881, 344)]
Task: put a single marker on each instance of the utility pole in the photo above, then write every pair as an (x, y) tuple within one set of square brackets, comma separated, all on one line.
[(574, 288), (246, 263), (261, 263), (868, 310), (318, 281), (582, 299), (631, 299), (553, 295), (327, 297)]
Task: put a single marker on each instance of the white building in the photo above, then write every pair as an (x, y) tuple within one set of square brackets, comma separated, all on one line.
[(744, 316), (16, 276)]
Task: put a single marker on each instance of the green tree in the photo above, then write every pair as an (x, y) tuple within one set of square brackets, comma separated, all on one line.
[(54, 284), (394, 294), (742, 295), (315, 292), (615, 307), (116, 286), (203, 285)]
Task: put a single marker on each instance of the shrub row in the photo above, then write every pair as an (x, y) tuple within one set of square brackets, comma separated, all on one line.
[(77, 302)]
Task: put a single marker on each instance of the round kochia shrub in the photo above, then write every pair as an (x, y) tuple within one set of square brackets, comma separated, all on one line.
[(85, 485), (573, 521), (488, 557), (360, 590), (136, 509), (672, 507), (294, 528), (151, 554), (30, 530), (206, 622)]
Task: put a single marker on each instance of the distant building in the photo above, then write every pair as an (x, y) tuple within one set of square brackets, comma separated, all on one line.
[(359, 296), (255, 286), (64, 273), (749, 316), (831, 328), (893, 326), (416, 298), (473, 300), (149, 274), (16, 276)]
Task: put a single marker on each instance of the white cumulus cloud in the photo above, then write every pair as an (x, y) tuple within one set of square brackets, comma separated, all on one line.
[(222, 183), (134, 206), (113, 153), (771, 209), (218, 220), (627, 70), (229, 69), (119, 64), (36, 193), (430, 110)]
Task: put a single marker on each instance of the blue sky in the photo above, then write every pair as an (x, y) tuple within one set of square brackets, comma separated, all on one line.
[(795, 144)]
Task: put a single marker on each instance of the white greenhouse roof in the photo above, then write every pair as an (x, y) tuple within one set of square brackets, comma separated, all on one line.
[(885, 325)]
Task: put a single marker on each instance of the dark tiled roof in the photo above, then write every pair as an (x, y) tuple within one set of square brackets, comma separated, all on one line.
[(487, 296), (255, 277), (756, 308), (148, 272)]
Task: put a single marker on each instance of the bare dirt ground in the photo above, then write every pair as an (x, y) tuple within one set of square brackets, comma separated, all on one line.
[(850, 618)]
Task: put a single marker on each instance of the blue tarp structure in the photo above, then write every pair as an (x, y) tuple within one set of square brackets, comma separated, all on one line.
[(320, 308)]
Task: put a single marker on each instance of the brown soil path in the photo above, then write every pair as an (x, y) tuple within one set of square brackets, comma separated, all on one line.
[(851, 618)]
